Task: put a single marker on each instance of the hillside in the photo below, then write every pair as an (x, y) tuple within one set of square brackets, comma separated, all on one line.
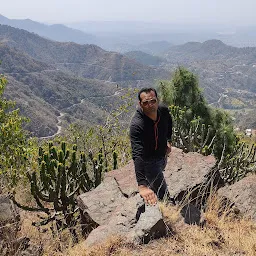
[(49, 79), (42, 92), (226, 73), (144, 58), (89, 61)]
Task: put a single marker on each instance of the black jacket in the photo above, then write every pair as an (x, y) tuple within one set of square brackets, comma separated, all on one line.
[(149, 139)]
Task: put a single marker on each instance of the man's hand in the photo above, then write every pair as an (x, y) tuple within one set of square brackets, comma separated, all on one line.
[(148, 195)]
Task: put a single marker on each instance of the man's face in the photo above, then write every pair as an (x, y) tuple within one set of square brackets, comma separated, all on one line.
[(149, 102)]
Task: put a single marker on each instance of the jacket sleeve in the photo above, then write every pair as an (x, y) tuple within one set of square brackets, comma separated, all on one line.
[(137, 153)]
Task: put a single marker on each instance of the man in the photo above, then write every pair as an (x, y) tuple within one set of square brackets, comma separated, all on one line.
[(150, 134)]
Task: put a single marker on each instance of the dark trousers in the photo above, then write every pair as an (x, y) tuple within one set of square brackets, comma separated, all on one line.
[(154, 173)]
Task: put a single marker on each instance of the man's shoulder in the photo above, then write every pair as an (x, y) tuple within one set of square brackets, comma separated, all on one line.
[(163, 108), (137, 118)]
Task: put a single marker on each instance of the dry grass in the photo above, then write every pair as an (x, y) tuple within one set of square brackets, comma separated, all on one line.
[(40, 235), (224, 233)]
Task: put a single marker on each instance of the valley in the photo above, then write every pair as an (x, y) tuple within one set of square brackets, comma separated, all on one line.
[(58, 83)]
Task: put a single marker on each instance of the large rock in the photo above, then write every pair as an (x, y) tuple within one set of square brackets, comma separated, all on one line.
[(100, 203), (242, 195), (185, 173), (133, 220), (114, 205), (125, 178), (9, 218), (190, 173), (10, 243)]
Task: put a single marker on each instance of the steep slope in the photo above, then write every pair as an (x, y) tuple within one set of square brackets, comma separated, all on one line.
[(89, 61), (227, 75), (42, 92), (208, 50), (144, 58)]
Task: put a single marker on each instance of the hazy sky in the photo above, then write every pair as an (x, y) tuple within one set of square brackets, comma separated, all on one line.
[(168, 11)]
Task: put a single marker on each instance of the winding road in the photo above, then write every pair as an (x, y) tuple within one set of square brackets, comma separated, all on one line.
[(81, 102)]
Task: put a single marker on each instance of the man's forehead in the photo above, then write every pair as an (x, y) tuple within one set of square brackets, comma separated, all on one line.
[(148, 94)]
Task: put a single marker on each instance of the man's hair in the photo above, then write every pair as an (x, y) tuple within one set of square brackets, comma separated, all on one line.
[(146, 90)]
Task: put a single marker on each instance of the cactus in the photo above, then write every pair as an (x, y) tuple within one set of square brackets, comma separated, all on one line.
[(237, 165), (115, 160), (62, 176), (191, 136)]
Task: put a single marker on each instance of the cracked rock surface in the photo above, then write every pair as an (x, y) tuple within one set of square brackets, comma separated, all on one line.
[(117, 208)]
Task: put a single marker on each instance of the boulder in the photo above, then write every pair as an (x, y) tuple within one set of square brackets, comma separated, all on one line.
[(125, 178), (242, 195), (100, 203), (9, 218), (10, 243), (150, 225), (190, 175), (115, 205), (133, 220)]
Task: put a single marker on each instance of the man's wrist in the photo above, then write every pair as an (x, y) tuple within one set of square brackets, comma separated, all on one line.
[(141, 187)]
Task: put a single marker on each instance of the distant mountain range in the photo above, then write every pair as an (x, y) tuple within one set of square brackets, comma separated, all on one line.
[(62, 33), (57, 32), (58, 76), (47, 78)]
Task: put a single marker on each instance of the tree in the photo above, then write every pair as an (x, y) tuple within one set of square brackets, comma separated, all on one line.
[(12, 139), (198, 127)]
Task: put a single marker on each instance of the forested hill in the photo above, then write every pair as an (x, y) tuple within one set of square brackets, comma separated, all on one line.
[(49, 79), (227, 74), (209, 50), (88, 61)]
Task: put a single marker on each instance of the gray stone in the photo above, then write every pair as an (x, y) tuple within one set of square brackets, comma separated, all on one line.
[(185, 173), (149, 226), (9, 218), (8, 211), (125, 178), (189, 173), (100, 203), (132, 220), (243, 195), (116, 206)]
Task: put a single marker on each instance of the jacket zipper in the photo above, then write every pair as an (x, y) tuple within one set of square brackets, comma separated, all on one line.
[(156, 132)]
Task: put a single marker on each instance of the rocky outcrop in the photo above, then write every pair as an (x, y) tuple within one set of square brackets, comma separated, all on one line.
[(190, 174), (137, 222), (10, 243), (185, 173), (9, 219), (116, 208), (241, 196)]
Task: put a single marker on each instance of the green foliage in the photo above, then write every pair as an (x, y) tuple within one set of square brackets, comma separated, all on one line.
[(111, 137), (197, 127), (12, 139), (239, 163), (190, 135), (63, 174), (225, 141), (183, 91)]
